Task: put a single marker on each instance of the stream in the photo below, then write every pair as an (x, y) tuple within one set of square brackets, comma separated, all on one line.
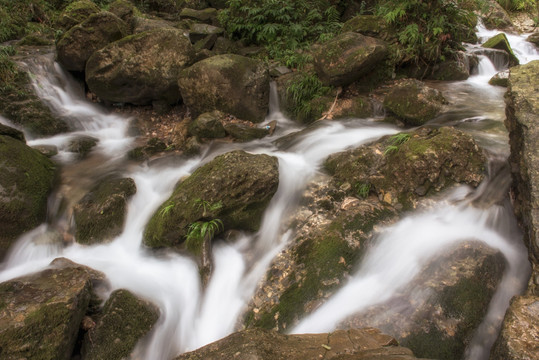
[(191, 317)]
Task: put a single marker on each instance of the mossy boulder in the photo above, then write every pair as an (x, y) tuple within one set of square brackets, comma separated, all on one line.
[(124, 320), (141, 24), (12, 132), (207, 16), (100, 214), (40, 314), (365, 344), (230, 83), (494, 16), (82, 145), (452, 70), (368, 25), (534, 38), (243, 183), (75, 13), (140, 68), (244, 132), (402, 168), (152, 147), (124, 9), (414, 102), (347, 57), (500, 79), (208, 125), (26, 179), (500, 42), (199, 32)]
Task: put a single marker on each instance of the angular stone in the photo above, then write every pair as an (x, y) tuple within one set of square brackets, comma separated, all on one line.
[(500, 42)]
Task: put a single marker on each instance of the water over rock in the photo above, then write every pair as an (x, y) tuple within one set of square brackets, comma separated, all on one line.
[(357, 344), (26, 179), (243, 183), (230, 83), (414, 102), (140, 68), (347, 58), (500, 42), (100, 214), (82, 40)]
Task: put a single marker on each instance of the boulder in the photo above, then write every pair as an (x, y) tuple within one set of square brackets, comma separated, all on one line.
[(12, 132), (100, 214), (500, 79), (244, 132), (242, 183), (534, 38), (81, 41), (198, 32), (368, 25), (124, 320), (451, 70), (40, 314), (494, 16), (500, 42), (124, 9), (153, 146), (208, 125), (233, 84), (26, 179), (414, 102), (207, 16), (347, 57), (141, 24), (75, 13), (367, 344), (82, 145), (161, 6), (140, 68)]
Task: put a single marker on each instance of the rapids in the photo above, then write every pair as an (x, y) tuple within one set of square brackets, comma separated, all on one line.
[(191, 317)]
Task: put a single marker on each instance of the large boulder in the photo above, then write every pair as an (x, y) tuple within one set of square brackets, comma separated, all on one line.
[(140, 68), (346, 58), (100, 214), (75, 13), (81, 41), (233, 84), (242, 183), (494, 16), (124, 320), (40, 314), (26, 179), (500, 42), (269, 345), (414, 102)]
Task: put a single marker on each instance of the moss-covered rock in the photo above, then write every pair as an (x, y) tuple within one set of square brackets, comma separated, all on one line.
[(500, 79), (208, 125), (124, 9), (207, 16), (198, 32), (82, 145), (494, 16), (233, 84), (81, 41), (500, 42), (26, 179), (140, 68), (14, 133), (124, 320), (75, 13), (269, 345), (152, 147), (347, 58), (100, 214), (40, 314), (141, 24), (368, 25), (243, 183), (452, 70), (244, 132), (534, 38), (414, 102)]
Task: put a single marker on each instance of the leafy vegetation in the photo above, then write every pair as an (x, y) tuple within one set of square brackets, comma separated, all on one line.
[(302, 90), (518, 5), (204, 229), (363, 190), (395, 141)]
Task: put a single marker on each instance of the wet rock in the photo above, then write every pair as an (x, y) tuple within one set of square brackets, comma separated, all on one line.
[(47, 150), (100, 214), (244, 133), (26, 179), (140, 24), (75, 13), (414, 102), (81, 41), (233, 84), (268, 345), (123, 321), (436, 315), (82, 145), (500, 42), (347, 57), (500, 79), (208, 125), (520, 331), (243, 184), (40, 314), (208, 15), (402, 168), (12, 132), (153, 147), (134, 70), (452, 70), (534, 38), (368, 25)]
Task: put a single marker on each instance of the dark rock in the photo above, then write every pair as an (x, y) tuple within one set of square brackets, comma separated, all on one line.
[(230, 83), (368, 25), (452, 70), (243, 183), (124, 9), (26, 179), (123, 321), (208, 125), (414, 102), (348, 57), (205, 43), (208, 16), (218, 4), (225, 46), (75, 13), (12, 132), (140, 68), (364, 344), (82, 145), (153, 146), (100, 214), (81, 41), (200, 31), (245, 133), (500, 42)]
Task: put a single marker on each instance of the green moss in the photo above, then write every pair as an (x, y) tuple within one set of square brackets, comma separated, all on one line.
[(433, 344)]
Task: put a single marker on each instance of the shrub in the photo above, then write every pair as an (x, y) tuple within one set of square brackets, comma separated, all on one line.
[(302, 90)]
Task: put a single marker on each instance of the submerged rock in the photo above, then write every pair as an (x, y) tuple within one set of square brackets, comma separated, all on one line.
[(100, 214), (233, 84), (26, 179), (414, 102), (124, 320), (268, 345), (140, 68), (242, 183)]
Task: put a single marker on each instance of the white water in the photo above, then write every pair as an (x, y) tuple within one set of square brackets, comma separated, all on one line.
[(190, 317)]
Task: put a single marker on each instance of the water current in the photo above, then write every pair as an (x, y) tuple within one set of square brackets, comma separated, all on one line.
[(192, 317)]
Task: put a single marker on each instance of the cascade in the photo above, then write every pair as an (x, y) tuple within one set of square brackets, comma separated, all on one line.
[(191, 317)]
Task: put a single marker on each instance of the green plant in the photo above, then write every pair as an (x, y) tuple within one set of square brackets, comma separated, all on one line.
[(363, 190), (200, 231), (395, 141), (207, 206), (518, 5), (165, 210), (302, 90)]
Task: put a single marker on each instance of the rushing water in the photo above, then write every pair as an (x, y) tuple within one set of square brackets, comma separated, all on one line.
[(192, 317)]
